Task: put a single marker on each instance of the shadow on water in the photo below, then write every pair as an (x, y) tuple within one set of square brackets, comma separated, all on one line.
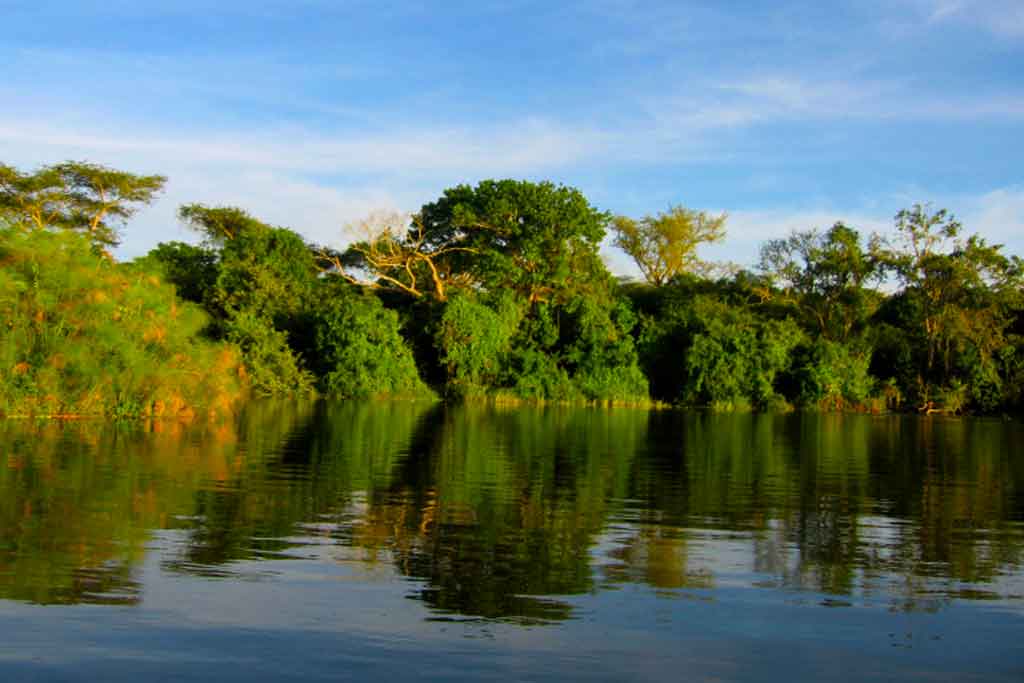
[(507, 514)]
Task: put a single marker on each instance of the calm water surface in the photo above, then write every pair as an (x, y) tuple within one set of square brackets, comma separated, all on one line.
[(328, 541)]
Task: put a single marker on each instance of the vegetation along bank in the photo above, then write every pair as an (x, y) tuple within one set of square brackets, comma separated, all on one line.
[(492, 292)]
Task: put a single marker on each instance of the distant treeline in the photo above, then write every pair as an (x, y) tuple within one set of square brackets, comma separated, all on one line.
[(493, 292)]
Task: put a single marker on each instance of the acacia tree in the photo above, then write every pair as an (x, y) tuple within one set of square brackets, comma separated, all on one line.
[(76, 195), (665, 245)]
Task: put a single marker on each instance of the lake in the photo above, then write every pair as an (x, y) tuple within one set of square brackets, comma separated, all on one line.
[(343, 540)]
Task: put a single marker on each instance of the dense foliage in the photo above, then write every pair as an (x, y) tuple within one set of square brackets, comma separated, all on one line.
[(498, 292), (81, 335)]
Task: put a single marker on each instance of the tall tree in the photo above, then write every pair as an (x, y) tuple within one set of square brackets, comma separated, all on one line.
[(539, 240), (665, 245), (76, 195), (965, 291), (825, 275)]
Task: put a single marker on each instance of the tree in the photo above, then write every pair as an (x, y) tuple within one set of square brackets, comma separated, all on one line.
[(665, 245), (358, 349), (734, 356), (263, 268), (961, 294), (76, 195), (265, 281), (192, 269), (825, 275), (539, 240), (220, 224), (394, 251)]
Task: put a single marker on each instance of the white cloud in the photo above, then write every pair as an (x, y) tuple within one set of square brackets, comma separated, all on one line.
[(998, 216), (279, 175), (1001, 17), (781, 97), (517, 147)]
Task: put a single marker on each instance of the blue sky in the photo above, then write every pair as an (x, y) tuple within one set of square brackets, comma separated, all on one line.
[(311, 114)]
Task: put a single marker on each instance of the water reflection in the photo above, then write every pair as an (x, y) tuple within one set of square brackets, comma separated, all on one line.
[(506, 514)]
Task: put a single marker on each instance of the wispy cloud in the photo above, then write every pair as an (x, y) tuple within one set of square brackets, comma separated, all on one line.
[(310, 181), (1001, 17), (517, 147), (766, 99)]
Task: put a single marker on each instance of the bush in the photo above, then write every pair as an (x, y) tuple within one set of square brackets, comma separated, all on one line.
[(831, 375), (359, 351), (473, 341), (272, 366), (734, 356)]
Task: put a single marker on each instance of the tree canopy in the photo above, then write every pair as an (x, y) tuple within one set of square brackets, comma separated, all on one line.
[(825, 275), (496, 291), (665, 245), (76, 195)]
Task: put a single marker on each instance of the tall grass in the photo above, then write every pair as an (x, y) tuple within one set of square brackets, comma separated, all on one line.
[(81, 335)]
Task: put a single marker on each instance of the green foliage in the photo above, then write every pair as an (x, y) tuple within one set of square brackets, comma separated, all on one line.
[(473, 341), (537, 376), (539, 240), (960, 299), (825, 277), (263, 280), (494, 291), (665, 246), (193, 270), (220, 224), (734, 357), (272, 367), (75, 195), (359, 351), (84, 336), (599, 350), (832, 375)]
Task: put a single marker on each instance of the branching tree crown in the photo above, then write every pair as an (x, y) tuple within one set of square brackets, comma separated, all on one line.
[(665, 245), (76, 195), (538, 240), (825, 275), (965, 288), (393, 251)]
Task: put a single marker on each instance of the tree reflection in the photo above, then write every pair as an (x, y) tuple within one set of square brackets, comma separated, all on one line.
[(507, 513)]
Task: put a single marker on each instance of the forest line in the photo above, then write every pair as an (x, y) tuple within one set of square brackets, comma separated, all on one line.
[(496, 292)]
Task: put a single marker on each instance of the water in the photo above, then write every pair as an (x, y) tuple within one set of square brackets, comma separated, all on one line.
[(336, 541)]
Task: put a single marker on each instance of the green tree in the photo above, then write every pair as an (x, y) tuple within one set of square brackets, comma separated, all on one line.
[(358, 349), (539, 240), (267, 270), (665, 245), (735, 356), (265, 281), (76, 195), (474, 341), (826, 276), (192, 269), (960, 296)]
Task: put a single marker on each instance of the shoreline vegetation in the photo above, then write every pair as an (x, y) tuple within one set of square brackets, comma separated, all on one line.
[(492, 293)]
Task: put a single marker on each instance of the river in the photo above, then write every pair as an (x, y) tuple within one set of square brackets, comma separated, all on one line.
[(413, 541)]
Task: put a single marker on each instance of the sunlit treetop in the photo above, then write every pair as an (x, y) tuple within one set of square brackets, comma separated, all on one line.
[(75, 195)]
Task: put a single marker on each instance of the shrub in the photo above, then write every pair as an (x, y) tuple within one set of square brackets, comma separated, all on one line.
[(359, 351)]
